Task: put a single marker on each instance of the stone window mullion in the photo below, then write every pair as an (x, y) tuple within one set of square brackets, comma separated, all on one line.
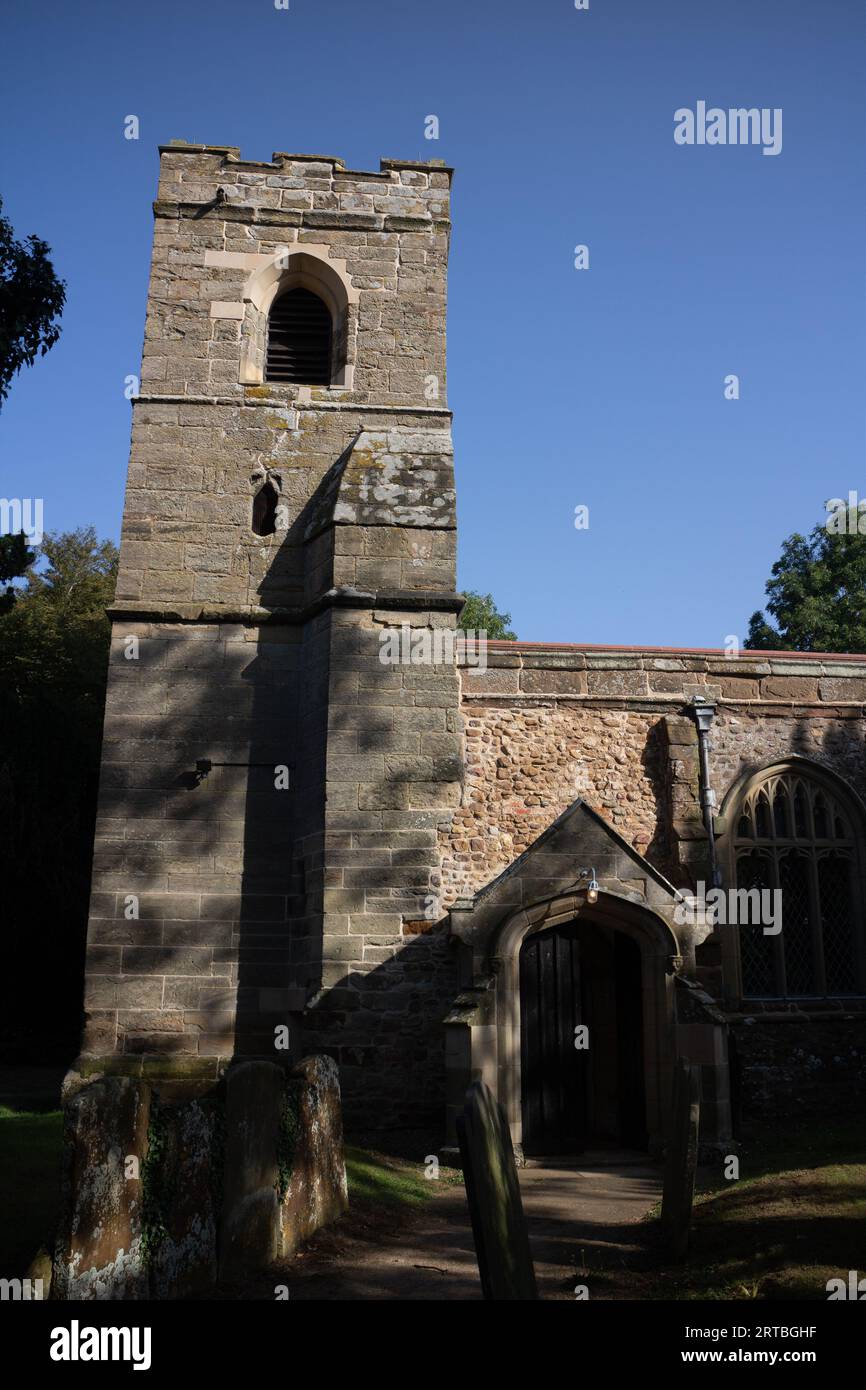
[(820, 977), (778, 941)]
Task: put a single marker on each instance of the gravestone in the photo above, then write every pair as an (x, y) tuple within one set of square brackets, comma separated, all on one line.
[(493, 1192), (184, 1262), (99, 1252), (682, 1157), (249, 1233), (316, 1192)]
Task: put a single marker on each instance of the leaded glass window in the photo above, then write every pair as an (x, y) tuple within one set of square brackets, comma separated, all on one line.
[(792, 834)]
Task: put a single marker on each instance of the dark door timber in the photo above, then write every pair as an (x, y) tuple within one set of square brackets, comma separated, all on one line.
[(572, 975), (553, 1070), (631, 1100)]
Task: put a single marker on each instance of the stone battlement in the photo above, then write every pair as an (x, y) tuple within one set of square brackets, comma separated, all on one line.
[(313, 184), (279, 158)]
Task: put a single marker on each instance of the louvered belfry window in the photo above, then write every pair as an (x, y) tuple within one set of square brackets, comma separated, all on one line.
[(794, 835), (299, 339)]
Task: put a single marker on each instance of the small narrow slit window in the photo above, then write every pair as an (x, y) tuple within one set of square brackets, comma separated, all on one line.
[(265, 510)]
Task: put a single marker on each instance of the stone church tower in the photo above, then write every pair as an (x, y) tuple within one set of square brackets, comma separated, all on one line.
[(273, 792)]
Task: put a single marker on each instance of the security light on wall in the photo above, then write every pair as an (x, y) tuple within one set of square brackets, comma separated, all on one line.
[(592, 886)]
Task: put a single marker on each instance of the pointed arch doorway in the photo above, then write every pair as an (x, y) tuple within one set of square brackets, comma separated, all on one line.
[(539, 892), (581, 1039)]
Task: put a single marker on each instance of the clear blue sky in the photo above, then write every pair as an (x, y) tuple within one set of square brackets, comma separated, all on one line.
[(602, 388)]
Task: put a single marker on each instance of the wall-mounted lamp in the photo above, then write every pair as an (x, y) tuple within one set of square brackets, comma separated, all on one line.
[(206, 765), (592, 889)]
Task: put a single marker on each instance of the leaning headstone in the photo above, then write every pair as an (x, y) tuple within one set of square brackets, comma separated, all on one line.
[(498, 1224), (682, 1157)]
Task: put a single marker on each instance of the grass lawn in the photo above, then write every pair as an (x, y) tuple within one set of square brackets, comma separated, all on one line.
[(29, 1185), (795, 1218), (379, 1180)]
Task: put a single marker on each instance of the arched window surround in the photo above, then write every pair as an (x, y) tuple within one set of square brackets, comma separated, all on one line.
[(307, 266), (785, 839)]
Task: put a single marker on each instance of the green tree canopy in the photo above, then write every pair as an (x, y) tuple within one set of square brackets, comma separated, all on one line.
[(816, 595), (480, 614), (31, 302), (15, 558), (53, 667)]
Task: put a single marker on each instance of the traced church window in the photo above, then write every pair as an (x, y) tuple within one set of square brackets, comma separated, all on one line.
[(793, 836)]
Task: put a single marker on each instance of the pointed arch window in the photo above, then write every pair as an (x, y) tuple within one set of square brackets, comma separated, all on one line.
[(299, 339), (796, 835)]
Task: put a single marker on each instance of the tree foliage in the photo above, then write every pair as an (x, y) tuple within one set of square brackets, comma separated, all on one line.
[(15, 558), (53, 667), (31, 302), (816, 595), (480, 614)]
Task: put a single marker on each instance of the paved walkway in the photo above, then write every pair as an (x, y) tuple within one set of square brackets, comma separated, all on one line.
[(585, 1212), (581, 1213)]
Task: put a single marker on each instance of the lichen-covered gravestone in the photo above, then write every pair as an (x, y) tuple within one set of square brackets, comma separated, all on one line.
[(682, 1157), (184, 1260), (99, 1247), (312, 1168), (285, 1174), (492, 1188)]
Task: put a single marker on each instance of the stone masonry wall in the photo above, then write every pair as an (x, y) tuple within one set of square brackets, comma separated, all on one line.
[(388, 971), (799, 1066), (525, 766), (547, 725), (192, 901)]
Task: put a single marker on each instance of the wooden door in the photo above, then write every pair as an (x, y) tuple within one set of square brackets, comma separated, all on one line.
[(554, 1072)]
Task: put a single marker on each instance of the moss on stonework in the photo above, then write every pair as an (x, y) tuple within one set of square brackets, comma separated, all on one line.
[(108, 1066), (217, 1156), (158, 1183), (287, 1136), (178, 1068)]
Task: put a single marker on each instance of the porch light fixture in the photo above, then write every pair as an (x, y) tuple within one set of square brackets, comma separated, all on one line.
[(591, 887)]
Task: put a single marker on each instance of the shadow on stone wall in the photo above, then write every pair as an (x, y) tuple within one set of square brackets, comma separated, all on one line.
[(374, 1000), (658, 850)]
